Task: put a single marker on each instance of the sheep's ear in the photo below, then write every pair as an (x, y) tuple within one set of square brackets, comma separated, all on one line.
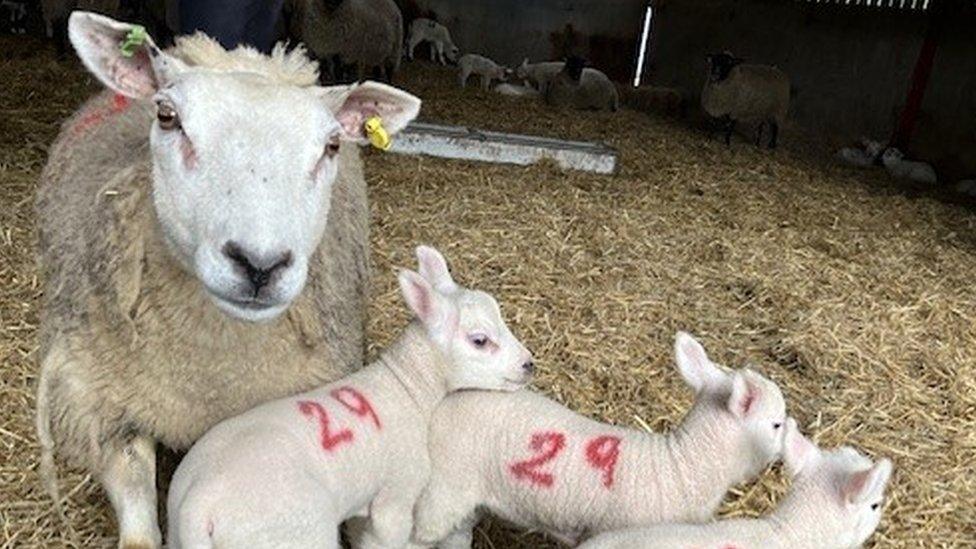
[(421, 297), (395, 107), (694, 365), (433, 267), (746, 394), (867, 485), (121, 55), (798, 451)]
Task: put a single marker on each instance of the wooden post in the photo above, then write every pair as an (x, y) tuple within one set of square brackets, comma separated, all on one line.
[(920, 74)]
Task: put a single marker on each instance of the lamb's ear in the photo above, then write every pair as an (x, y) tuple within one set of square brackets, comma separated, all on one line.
[(798, 451), (421, 297), (746, 394), (433, 267), (867, 485), (121, 55), (395, 107), (694, 365)]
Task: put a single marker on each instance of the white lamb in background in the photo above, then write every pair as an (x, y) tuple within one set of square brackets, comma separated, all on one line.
[(835, 503), (540, 465), (864, 157), (480, 65), (899, 168), (428, 30), (538, 74), (515, 90), (288, 472)]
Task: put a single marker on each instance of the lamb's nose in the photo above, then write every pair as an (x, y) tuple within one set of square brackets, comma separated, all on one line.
[(528, 366), (258, 270)]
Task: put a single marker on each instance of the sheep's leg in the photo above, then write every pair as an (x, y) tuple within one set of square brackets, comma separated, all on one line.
[(729, 129), (759, 132), (485, 82), (463, 77), (390, 522), (433, 51), (129, 477), (462, 537), (443, 510), (440, 53), (773, 133)]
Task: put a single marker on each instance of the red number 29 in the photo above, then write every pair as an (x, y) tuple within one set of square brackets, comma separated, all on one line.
[(602, 453), (316, 411), (355, 402), (548, 445)]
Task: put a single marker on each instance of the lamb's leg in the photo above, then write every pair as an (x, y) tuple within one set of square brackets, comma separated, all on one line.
[(462, 537), (390, 522), (129, 477), (433, 51), (440, 53), (411, 46), (463, 77), (442, 511), (485, 82)]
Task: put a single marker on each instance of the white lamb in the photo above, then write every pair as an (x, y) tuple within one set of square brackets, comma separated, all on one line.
[(539, 75), (489, 71), (899, 168), (287, 473), (835, 503), (515, 90), (861, 157), (428, 30), (536, 463)]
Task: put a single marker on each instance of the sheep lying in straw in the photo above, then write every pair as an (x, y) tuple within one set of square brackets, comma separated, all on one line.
[(835, 503), (290, 471), (540, 465), (441, 45), (365, 35), (200, 199), (912, 170), (736, 92), (581, 88)]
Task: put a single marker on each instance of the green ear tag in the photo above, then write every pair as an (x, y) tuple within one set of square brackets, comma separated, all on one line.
[(133, 39)]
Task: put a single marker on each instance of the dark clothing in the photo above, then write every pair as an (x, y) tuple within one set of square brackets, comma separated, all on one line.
[(233, 22)]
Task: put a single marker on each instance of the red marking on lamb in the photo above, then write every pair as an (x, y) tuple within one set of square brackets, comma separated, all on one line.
[(602, 453), (548, 445), (329, 440), (98, 114), (360, 405)]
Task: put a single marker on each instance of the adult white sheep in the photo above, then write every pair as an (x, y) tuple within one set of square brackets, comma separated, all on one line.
[(582, 88), (912, 170), (199, 199), (736, 92), (442, 48), (835, 503), (366, 35), (287, 473), (537, 464)]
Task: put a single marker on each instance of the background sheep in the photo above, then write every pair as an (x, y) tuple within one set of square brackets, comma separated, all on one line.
[(290, 471), (489, 71), (162, 239), (537, 464), (835, 503), (365, 36), (427, 30), (581, 88), (861, 157), (516, 90), (736, 92), (912, 170), (538, 74)]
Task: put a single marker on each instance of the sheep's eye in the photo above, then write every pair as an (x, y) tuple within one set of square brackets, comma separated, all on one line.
[(875, 506), (332, 147), (167, 117), (777, 425), (478, 340)]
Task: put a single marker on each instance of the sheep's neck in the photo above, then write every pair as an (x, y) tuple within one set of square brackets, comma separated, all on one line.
[(418, 366)]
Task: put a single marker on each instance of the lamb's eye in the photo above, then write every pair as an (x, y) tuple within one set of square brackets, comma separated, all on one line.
[(478, 340), (332, 147), (166, 116), (777, 425), (875, 506)]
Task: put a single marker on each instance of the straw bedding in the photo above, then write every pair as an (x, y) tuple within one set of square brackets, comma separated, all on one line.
[(856, 297)]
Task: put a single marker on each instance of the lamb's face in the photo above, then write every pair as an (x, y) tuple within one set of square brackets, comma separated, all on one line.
[(479, 350), (837, 493), (242, 177), (243, 164)]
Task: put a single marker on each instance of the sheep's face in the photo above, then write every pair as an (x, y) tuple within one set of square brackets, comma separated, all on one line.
[(479, 349), (892, 155), (750, 407), (719, 65), (243, 165), (841, 492)]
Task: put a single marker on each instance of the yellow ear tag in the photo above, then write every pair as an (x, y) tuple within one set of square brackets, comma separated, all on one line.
[(377, 133)]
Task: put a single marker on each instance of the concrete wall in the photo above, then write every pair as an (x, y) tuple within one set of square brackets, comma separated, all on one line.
[(603, 31), (850, 67)]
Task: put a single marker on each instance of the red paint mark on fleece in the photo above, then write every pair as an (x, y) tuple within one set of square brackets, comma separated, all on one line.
[(328, 439), (100, 113), (548, 445), (602, 453), (355, 402)]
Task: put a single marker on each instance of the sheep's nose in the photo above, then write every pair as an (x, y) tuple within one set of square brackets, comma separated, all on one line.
[(528, 366), (257, 269)]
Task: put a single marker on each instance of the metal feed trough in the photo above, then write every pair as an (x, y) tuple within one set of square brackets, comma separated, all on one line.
[(470, 144)]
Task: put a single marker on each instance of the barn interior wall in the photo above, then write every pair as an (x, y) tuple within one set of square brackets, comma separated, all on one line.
[(850, 67)]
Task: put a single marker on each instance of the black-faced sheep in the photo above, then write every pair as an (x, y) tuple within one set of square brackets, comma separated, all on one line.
[(737, 92)]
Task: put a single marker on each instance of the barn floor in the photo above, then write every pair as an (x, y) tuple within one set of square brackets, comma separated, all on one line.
[(856, 297)]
